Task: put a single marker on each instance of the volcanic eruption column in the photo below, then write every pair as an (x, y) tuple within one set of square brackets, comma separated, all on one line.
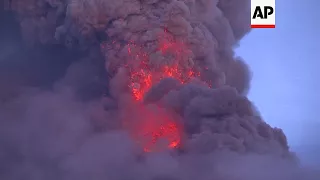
[(174, 74), (186, 40), (147, 42)]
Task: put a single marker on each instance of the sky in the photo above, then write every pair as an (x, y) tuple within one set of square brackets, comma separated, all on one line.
[(284, 62)]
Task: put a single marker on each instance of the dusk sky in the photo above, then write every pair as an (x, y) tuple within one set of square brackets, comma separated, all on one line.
[(285, 65)]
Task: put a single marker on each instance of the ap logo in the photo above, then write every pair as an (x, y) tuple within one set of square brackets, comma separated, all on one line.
[(263, 14)]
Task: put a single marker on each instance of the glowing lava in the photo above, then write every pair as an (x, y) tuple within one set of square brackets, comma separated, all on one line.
[(143, 76), (167, 132), (170, 58), (155, 130)]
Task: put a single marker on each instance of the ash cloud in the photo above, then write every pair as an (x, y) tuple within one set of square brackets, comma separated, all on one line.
[(64, 94)]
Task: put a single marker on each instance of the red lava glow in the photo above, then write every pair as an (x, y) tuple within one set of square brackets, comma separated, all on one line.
[(155, 131), (144, 72), (167, 132), (144, 76)]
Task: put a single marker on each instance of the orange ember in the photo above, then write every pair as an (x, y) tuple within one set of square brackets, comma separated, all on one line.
[(141, 82), (144, 76), (167, 132), (155, 130), (171, 58)]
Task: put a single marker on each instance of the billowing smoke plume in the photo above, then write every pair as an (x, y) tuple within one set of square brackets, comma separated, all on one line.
[(175, 104)]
